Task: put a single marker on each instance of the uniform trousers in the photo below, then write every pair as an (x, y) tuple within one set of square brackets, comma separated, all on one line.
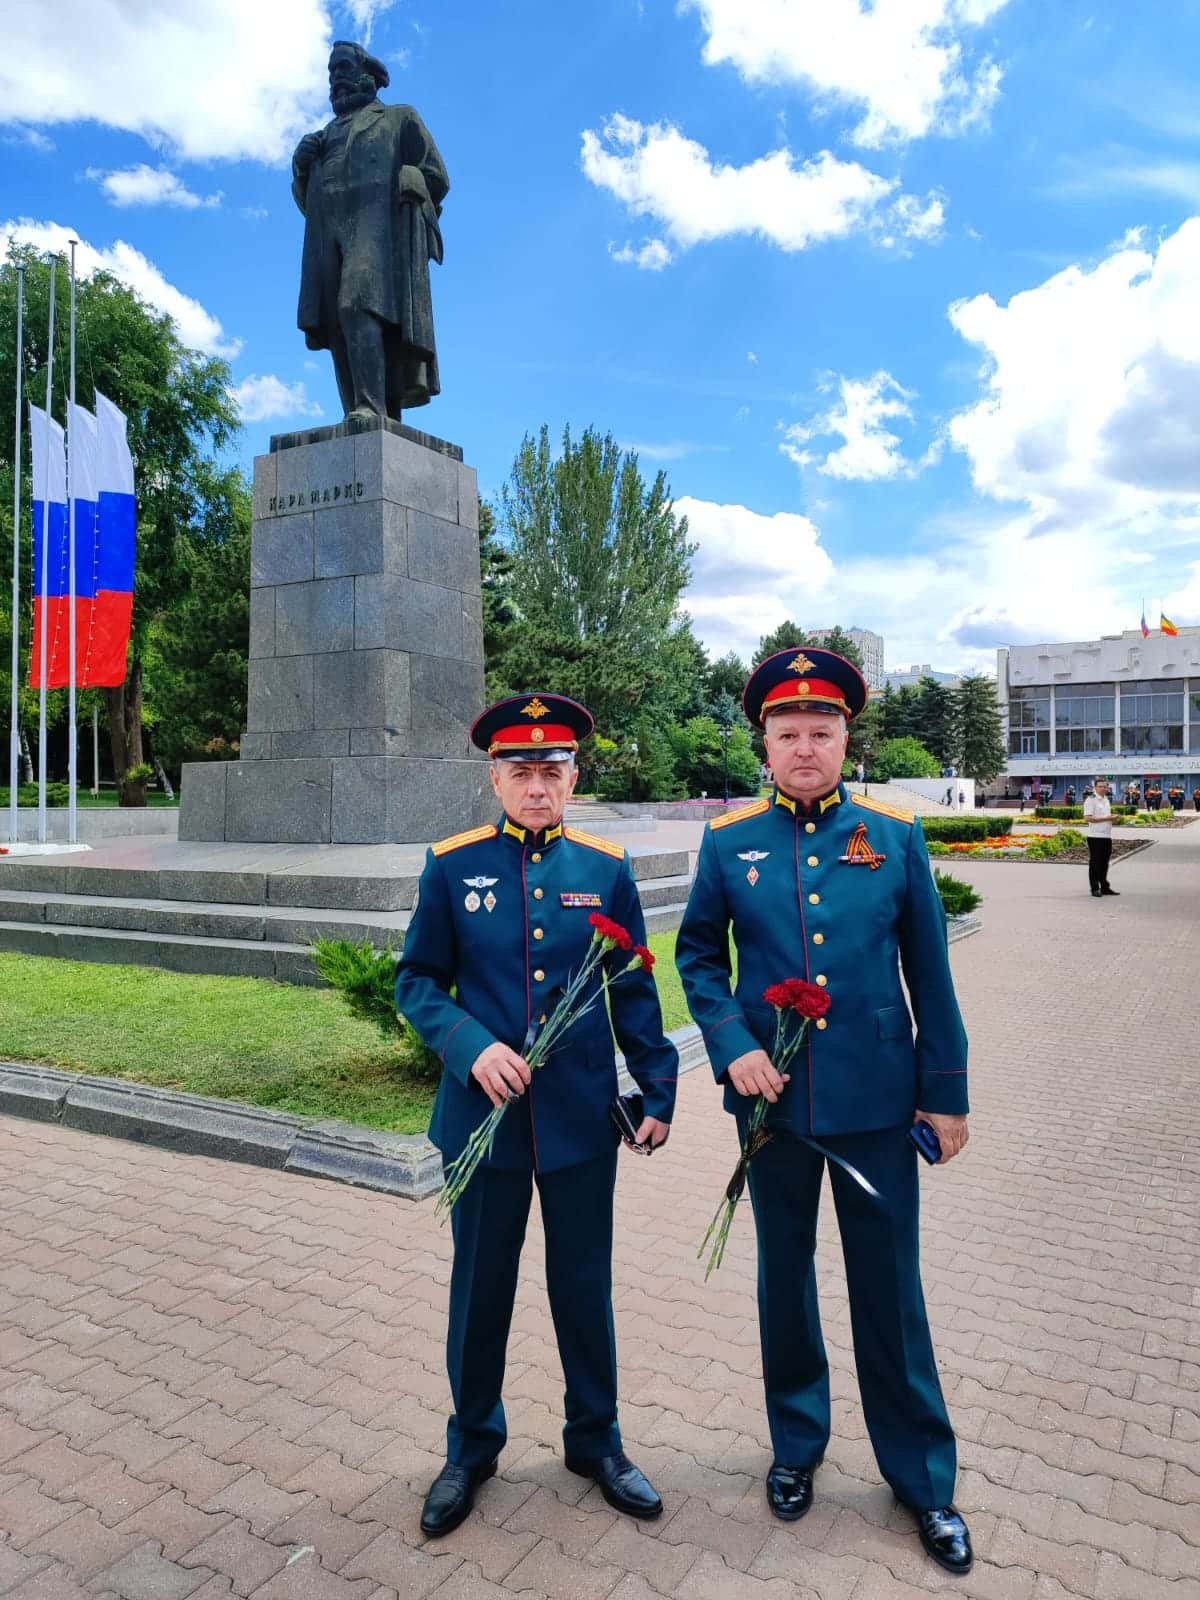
[(902, 1400), (489, 1229), (1099, 856)]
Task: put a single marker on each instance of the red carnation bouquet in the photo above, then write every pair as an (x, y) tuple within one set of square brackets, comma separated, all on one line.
[(575, 1003), (794, 997)]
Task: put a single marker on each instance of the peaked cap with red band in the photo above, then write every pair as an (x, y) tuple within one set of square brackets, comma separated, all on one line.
[(532, 727), (804, 679)]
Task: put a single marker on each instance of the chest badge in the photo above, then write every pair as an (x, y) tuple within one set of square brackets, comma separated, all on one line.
[(489, 901), (860, 853), (752, 856), (576, 897), (473, 902)]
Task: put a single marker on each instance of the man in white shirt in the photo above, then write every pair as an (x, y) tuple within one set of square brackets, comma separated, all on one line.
[(1097, 817)]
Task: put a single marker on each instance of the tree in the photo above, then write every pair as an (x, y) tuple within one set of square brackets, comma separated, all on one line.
[(982, 746), (787, 636), (196, 659), (179, 407), (866, 735), (899, 713), (842, 645), (937, 720), (499, 608), (727, 676), (904, 758), (599, 564), (700, 760)]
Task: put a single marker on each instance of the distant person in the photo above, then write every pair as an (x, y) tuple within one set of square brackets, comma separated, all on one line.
[(1097, 815), (1196, 799), (1026, 794), (860, 772)]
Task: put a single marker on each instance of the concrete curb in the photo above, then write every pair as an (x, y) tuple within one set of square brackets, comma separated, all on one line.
[(404, 1164)]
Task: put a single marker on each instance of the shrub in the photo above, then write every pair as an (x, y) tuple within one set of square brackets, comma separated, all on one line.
[(964, 830), (366, 980), (957, 897), (1059, 813), (904, 758), (1070, 837)]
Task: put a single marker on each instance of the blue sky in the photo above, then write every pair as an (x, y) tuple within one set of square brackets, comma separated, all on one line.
[(905, 300)]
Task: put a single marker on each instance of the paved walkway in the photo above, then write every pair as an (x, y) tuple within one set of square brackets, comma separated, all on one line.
[(216, 1381)]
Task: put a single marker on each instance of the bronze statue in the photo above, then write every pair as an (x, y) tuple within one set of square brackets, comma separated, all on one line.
[(371, 186)]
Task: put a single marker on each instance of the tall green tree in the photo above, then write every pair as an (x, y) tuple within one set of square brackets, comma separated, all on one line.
[(841, 644), (787, 636), (196, 661), (180, 413), (600, 561), (727, 676), (981, 745), (900, 714), (500, 610), (937, 720)]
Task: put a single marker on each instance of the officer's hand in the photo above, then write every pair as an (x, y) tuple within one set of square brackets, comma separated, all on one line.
[(501, 1073), (650, 1135), (753, 1073), (951, 1131)]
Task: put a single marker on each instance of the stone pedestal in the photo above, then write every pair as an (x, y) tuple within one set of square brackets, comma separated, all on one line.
[(366, 650)]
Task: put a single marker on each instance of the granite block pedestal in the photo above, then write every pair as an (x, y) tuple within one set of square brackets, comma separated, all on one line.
[(366, 650)]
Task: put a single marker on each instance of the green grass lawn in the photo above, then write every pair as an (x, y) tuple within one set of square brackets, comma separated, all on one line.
[(85, 797), (268, 1044)]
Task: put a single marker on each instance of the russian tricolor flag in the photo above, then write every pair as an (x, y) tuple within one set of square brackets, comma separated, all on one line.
[(105, 539)]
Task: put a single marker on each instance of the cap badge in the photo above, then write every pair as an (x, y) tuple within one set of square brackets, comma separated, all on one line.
[(537, 736), (535, 709), (801, 664)]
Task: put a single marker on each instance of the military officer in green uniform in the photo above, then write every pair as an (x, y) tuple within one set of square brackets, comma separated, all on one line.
[(835, 888), (502, 921)]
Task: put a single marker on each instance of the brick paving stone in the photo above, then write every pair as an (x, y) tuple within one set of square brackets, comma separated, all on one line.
[(307, 1579), (16, 1567), (547, 1570), (257, 1502), (26, 1510), (83, 1544), (177, 1526), (575, 1531), (53, 1582), (411, 1573), (246, 1560), (146, 1574)]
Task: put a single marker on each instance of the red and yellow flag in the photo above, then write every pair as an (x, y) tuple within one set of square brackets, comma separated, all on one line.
[(1167, 625)]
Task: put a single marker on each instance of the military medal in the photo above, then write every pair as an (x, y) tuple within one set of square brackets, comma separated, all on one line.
[(752, 856), (473, 902), (859, 852), (489, 901), (576, 897)]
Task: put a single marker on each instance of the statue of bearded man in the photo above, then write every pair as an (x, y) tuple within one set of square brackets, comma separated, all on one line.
[(371, 186)]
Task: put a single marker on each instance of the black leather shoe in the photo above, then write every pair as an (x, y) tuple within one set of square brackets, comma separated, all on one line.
[(622, 1485), (1107, 890), (946, 1539), (451, 1496), (1096, 893), (789, 1491)]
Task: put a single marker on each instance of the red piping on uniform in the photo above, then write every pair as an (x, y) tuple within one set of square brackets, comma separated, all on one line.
[(528, 1005), (804, 937)]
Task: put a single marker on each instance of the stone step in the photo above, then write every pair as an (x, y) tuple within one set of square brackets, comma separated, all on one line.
[(230, 958), (251, 941), (197, 919)]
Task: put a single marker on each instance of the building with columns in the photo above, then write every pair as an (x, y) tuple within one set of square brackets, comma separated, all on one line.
[(1123, 707)]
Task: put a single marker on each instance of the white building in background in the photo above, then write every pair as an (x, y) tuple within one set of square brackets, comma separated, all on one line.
[(870, 647), (1122, 707), (910, 677)]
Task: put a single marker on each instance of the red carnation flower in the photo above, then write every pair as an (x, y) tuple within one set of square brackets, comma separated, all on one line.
[(794, 994), (646, 957), (607, 929)]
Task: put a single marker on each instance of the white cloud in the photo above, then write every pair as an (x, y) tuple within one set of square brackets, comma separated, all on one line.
[(198, 328), (751, 358), (657, 172), (870, 450), (653, 256), (1090, 409), (260, 399), (31, 138), (363, 14), (212, 79), (905, 62), (150, 186)]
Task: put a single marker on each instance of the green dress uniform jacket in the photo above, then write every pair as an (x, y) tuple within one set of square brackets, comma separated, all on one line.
[(833, 897), (500, 925)]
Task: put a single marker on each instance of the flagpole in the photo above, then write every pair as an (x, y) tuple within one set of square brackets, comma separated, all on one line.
[(72, 739), (45, 577), (14, 769)]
